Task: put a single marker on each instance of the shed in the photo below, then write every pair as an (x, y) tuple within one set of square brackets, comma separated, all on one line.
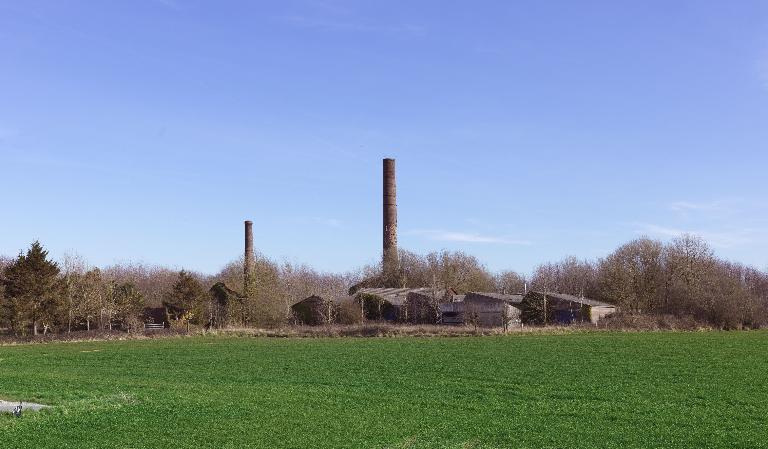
[(155, 315), (567, 309), (417, 305), (422, 306), (492, 309), (452, 312), (482, 309), (315, 310)]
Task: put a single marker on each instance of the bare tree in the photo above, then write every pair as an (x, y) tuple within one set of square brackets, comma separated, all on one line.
[(689, 263), (151, 281), (571, 276), (458, 271), (509, 282), (91, 295), (633, 275), (73, 268)]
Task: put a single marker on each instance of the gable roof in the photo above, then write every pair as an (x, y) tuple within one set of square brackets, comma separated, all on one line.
[(578, 300), (397, 296), (512, 299)]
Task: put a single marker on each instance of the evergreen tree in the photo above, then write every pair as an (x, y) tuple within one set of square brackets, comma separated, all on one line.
[(534, 309), (33, 290), (186, 296)]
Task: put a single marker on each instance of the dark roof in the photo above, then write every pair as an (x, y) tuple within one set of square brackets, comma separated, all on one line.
[(155, 313), (337, 299), (512, 299), (397, 296), (577, 299), (222, 287)]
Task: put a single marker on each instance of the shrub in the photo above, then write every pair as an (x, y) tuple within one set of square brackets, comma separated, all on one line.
[(349, 313)]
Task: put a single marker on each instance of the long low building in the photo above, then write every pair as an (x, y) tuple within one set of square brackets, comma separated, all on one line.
[(498, 310), (430, 306), (413, 305), (567, 309), (482, 309)]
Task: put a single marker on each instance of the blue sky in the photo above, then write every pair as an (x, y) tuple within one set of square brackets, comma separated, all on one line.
[(523, 131)]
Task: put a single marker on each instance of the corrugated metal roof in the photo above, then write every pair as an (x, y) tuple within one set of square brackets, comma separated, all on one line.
[(397, 296), (576, 299), (513, 299)]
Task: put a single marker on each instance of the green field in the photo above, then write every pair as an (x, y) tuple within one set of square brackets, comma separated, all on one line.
[(574, 390)]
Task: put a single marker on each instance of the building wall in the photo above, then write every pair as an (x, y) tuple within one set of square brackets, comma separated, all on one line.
[(598, 313), (489, 313), (452, 313), (420, 308), (378, 309), (568, 312), (500, 317)]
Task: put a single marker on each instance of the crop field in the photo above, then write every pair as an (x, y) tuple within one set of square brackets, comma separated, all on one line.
[(587, 390)]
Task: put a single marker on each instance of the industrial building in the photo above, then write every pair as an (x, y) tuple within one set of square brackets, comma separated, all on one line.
[(426, 305), (569, 309), (412, 305), (430, 306), (482, 309)]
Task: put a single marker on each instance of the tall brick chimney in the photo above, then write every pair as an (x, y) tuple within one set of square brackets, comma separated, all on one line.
[(248, 259), (390, 259)]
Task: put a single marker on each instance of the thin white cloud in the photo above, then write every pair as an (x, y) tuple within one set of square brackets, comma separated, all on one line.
[(719, 239), (466, 237), (686, 206)]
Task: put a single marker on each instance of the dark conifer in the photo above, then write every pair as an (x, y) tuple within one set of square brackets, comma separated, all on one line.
[(33, 290)]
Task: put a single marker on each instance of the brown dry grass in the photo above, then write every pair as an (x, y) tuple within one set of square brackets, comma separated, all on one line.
[(618, 322), (652, 322), (391, 330)]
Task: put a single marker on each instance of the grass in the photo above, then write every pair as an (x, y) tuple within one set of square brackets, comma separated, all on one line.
[(588, 390)]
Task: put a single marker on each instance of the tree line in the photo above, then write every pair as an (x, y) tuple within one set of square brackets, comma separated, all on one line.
[(683, 278), (645, 276), (39, 295)]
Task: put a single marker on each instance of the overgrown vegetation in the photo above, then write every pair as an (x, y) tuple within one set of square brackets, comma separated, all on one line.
[(578, 390), (682, 279)]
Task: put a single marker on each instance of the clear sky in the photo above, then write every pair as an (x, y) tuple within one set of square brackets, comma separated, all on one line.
[(524, 131)]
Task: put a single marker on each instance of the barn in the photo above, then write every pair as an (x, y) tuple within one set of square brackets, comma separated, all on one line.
[(568, 309), (452, 312), (482, 309), (413, 305), (492, 309)]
